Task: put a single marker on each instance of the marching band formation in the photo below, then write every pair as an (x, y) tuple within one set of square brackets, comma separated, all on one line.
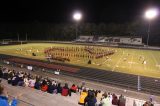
[(88, 52)]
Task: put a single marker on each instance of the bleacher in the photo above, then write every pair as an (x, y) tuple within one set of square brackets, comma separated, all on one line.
[(85, 39), (32, 97), (121, 40), (101, 39)]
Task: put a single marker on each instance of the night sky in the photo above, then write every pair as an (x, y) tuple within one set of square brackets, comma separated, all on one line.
[(59, 11)]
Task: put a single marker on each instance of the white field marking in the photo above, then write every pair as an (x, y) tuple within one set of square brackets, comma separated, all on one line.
[(98, 64), (130, 65), (116, 65), (154, 59), (3, 50), (106, 61), (78, 60), (158, 66), (123, 66), (132, 62), (144, 66)]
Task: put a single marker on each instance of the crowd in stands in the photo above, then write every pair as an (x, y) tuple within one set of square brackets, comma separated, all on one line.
[(88, 97), (93, 98)]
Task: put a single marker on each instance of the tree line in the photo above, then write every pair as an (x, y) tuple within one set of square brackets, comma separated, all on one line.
[(67, 31)]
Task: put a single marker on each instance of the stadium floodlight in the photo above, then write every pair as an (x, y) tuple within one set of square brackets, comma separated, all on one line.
[(77, 16), (150, 14)]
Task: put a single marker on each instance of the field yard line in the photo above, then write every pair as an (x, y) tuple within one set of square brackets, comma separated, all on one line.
[(130, 65), (117, 62), (143, 64), (154, 59), (105, 61)]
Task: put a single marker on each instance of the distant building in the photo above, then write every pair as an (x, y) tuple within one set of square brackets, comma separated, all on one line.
[(121, 40), (133, 40), (85, 39)]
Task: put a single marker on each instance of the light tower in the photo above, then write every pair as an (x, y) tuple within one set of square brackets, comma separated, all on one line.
[(77, 16), (150, 14)]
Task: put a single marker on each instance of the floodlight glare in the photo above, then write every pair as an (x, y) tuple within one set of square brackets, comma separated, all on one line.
[(77, 16), (151, 13)]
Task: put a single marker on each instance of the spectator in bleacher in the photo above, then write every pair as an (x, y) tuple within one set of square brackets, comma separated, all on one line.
[(73, 88), (26, 80), (10, 76), (29, 75), (110, 97), (9, 80), (20, 79), (90, 100), (1, 73), (59, 88), (5, 73), (44, 86), (104, 100), (37, 83), (150, 103), (15, 80), (83, 95), (151, 100), (51, 87), (114, 100), (4, 99), (55, 87), (32, 82), (81, 86), (99, 96), (146, 104), (65, 90), (121, 101), (38, 78), (134, 103)]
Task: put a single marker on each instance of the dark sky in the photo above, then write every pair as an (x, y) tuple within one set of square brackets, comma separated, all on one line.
[(59, 11)]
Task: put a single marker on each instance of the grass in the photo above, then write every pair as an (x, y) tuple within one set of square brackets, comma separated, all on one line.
[(123, 60)]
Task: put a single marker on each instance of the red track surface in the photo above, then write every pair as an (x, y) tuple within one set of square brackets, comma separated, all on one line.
[(44, 65)]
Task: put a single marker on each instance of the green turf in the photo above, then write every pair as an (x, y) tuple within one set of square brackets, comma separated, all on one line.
[(124, 60)]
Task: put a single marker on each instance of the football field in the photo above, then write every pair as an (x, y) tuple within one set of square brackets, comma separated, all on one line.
[(132, 61)]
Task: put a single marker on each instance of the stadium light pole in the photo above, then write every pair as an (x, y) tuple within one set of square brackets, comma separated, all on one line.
[(18, 37), (77, 16), (150, 14)]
